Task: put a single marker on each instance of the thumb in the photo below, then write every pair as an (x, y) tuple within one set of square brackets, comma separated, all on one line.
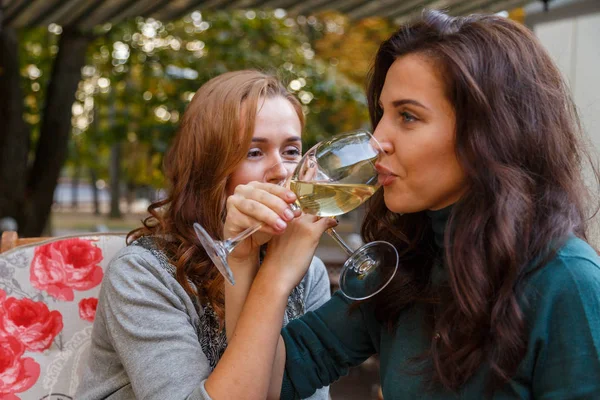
[(328, 223)]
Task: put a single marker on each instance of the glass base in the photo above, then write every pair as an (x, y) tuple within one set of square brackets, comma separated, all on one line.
[(368, 270), (216, 251)]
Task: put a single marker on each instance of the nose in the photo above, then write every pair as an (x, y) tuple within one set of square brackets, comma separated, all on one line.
[(380, 134), (277, 173)]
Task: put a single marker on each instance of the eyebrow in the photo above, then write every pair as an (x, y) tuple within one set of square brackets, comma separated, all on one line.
[(398, 103), (257, 139)]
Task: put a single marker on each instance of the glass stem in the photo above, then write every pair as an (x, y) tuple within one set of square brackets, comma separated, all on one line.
[(339, 241), (230, 244)]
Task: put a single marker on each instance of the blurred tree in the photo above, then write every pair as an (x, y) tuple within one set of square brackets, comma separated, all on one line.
[(349, 45), (155, 69), (135, 83), (31, 160)]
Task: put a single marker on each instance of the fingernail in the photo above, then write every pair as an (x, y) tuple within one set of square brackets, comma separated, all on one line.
[(289, 215), (290, 195), (280, 224)]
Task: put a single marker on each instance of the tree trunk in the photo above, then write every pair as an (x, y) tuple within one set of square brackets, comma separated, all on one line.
[(15, 134), (95, 196), (51, 151), (115, 189)]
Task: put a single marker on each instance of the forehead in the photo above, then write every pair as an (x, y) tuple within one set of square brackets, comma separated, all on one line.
[(413, 76), (276, 119)]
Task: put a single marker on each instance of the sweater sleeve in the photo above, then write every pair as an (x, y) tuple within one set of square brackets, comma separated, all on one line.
[(322, 345), (149, 325), (318, 290), (566, 332)]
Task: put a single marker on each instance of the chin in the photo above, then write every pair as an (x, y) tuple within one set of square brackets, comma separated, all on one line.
[(396, 204), (399, 205)]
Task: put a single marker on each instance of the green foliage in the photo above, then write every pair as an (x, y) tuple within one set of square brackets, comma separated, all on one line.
[(142, 73)]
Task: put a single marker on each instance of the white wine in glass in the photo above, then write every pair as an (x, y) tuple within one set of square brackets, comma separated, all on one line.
[(331, 199)]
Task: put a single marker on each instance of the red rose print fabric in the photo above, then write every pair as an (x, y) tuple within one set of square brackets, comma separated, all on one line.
[(61, 267), (17, 374), (87, 309), (31, 322), (48, 298), (24, 325)]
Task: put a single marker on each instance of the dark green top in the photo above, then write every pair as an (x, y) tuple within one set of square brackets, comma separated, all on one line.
[(562, 359)]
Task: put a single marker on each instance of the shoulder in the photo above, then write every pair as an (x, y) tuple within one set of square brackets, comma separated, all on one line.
[(317, 272), (133, 261), (316, 285), (136, 271), (571, 276), (575, 261), (317, 267)]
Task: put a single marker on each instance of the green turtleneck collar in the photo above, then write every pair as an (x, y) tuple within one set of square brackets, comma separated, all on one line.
[(439, 219)]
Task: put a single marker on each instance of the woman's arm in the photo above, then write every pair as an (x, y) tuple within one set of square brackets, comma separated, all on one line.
[(251, 353), (323, 345), (244, 272), (251, 204)]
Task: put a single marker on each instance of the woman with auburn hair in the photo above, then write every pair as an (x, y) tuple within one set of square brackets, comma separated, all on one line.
[(498, 292), (161, 331)]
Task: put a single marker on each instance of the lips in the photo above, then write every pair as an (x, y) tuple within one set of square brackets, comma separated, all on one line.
[(386, 177), (385, 180)]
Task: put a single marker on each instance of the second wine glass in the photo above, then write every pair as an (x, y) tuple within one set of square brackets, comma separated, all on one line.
[(334, 177)]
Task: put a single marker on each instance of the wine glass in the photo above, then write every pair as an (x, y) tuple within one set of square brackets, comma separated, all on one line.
[(218, 250), (334, 177)]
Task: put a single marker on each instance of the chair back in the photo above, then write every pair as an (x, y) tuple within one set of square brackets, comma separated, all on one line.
[(48, 296)]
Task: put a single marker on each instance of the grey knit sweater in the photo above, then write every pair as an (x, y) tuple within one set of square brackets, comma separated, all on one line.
[(152, 341)]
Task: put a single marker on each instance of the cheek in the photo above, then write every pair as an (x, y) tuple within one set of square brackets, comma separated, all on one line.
[(428, 175), (444, 182), (437, 171), (243, 175)]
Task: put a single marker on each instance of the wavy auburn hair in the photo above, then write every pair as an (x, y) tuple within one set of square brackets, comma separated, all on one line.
[(519, 141), (213, 138)]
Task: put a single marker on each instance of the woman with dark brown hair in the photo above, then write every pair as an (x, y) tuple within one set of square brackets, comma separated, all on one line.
[(161, 331), (498, 292)]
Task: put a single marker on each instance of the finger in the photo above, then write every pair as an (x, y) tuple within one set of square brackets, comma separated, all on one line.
[(297, 211), (280, 191), (240, 222), (308, 217), (327, 223), (267, 198), (260, 212)]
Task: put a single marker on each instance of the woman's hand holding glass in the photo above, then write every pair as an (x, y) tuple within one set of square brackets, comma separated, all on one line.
[(292, 237), (255, 211), (289, 255), (257, 203)]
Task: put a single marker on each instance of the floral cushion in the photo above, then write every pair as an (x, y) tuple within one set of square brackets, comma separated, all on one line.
[(48, 298)]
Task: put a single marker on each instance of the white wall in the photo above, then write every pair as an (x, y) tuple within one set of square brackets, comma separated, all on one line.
[(571, 33)]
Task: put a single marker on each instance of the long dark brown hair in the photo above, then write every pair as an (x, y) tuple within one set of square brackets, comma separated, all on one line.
[(519, 141), (212, 140)]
